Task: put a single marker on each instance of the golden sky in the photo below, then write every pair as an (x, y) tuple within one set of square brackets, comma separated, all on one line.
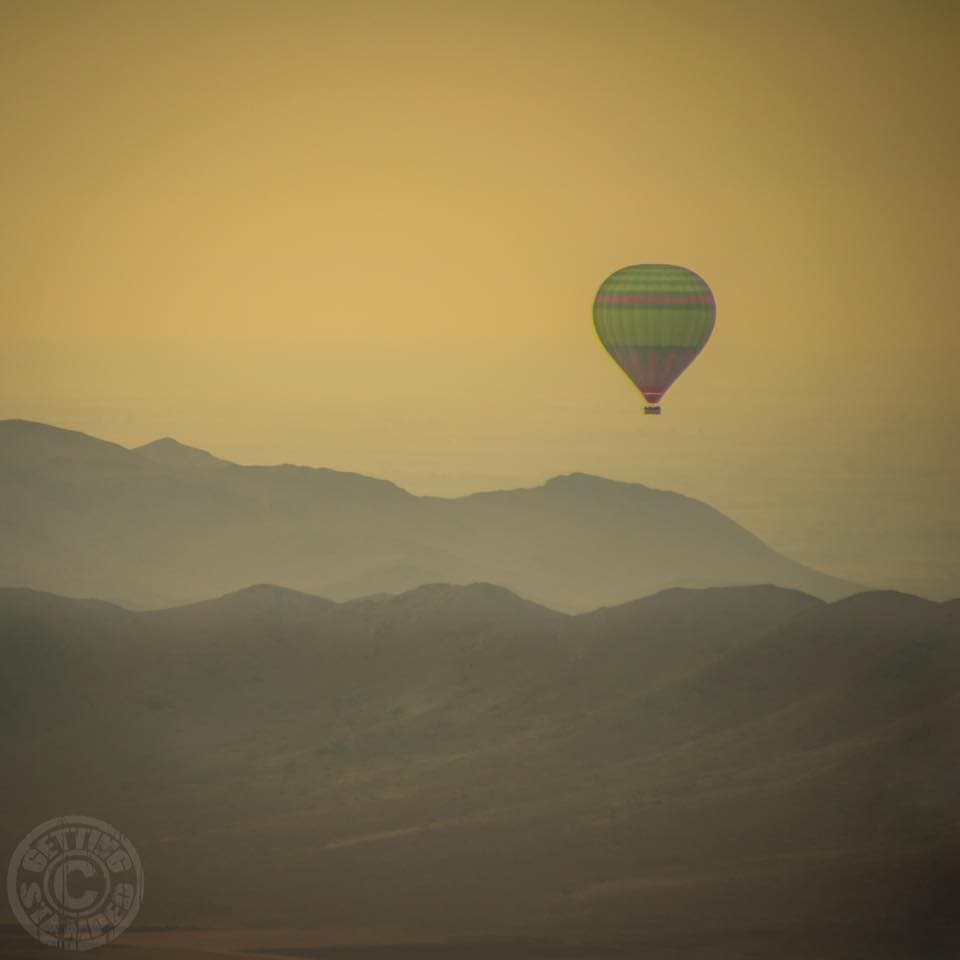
[(367, 235)]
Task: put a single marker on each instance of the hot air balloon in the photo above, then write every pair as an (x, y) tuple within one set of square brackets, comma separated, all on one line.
[(653, 319)]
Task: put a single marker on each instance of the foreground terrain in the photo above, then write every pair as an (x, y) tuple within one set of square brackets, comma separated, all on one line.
[(712, 773)]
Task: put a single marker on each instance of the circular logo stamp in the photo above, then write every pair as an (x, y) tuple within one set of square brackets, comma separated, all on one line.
[(75, 883)]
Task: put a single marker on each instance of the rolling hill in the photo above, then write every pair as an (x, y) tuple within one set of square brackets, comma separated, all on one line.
[(731, 769)]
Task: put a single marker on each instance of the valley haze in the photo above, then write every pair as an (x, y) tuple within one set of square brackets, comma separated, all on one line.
[(163, 524)]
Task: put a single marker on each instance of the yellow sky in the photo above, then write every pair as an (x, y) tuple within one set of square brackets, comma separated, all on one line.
[(367, 235)]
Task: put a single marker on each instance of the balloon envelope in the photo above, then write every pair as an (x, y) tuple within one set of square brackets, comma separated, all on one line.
[(653, 320)]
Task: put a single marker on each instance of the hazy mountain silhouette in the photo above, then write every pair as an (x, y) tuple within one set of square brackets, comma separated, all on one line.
[(170, 453), (690, 768), (168, 524)]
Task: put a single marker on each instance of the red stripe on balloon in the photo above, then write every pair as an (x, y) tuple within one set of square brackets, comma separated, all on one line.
[(663, 299)]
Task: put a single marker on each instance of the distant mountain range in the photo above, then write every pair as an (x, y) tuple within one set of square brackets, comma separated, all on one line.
[(165, 524), (690, 768)]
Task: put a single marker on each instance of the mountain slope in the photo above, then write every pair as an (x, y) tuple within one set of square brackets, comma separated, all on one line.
[(696, 764), (167, 524), (173, 454)]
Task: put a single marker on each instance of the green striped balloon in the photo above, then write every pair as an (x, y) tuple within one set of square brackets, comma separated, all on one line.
[(653, 319)]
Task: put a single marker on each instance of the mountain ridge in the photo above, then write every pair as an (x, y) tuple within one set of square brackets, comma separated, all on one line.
[(891, 599), (164, 524)]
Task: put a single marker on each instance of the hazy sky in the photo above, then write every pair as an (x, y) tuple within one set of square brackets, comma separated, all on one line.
[(367, 235)]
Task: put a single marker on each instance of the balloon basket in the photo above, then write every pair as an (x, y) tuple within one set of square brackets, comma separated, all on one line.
[(654, 410)]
